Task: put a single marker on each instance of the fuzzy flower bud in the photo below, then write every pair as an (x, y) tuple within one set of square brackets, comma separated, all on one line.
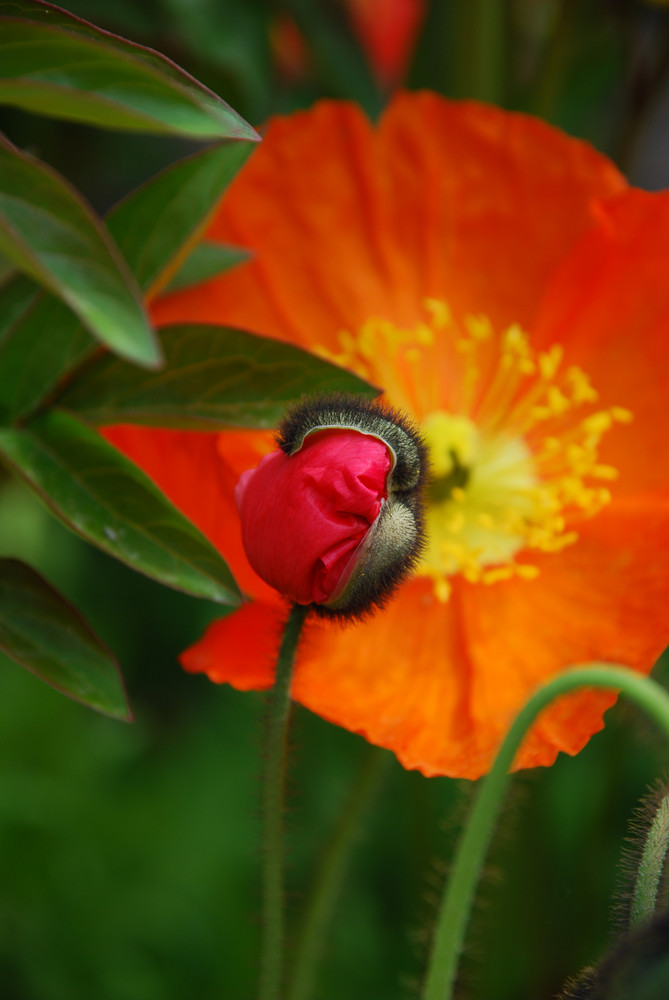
[(334, 517)]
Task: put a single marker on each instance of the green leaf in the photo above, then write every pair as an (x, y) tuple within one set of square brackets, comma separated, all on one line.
[(207, 260), (49, 233), (17, 293), (41, 341), (214, 377), (157, 224), (53, 63), (6, 268), (107, 500), (42, 631)]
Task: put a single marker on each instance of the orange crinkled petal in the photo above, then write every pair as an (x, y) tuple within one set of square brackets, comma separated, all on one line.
[(441, 684), (446, 200), (240, 649), (608, 305)]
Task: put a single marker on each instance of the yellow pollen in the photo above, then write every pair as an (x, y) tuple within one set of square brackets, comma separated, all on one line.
[(579, 384), (439, 313), (461, 436), (549, 362), (513, 433), (478, 327)]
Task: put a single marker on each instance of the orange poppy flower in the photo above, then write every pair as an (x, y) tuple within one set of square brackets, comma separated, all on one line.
[(508, 289)]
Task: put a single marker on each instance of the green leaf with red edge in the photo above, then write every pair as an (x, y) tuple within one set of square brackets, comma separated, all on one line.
[(107, 500), (214, 377), (49, 233), (206, 261), (40, 630), (157, 225), (53, 63)]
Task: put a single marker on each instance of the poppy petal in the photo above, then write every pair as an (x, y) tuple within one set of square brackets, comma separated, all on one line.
[(442, 688), (608, 305), (240, 649), (449, 200), (604, 599)]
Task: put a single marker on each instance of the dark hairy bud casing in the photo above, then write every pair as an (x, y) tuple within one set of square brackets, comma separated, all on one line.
[(378, 556)]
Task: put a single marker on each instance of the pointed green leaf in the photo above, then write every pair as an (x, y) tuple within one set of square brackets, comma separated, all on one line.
[(43, 632), (206, 261), (107, 500), (53, 63), (214, 377), (157, 224), (41, 341), (49, 233)]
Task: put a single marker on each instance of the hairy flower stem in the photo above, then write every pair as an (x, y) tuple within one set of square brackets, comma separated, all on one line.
[(651, 866), (271, 965), (471, 852), (322, 899)]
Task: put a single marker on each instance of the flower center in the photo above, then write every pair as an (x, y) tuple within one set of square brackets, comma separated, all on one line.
[(514, 437), (483, 497)]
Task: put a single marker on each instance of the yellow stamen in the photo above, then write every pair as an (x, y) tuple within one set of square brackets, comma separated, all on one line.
[(514, 439), (439, 313)]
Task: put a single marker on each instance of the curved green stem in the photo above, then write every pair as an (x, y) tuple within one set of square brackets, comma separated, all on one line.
[(327, 883), (473, 846), (271, 966)]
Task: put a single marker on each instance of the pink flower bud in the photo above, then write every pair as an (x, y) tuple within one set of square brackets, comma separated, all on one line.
[(328, 519)]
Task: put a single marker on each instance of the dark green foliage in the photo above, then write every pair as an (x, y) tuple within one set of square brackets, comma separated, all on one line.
[(41, 631), (107, 500), (56, 64), (82, 286), (214, 377)]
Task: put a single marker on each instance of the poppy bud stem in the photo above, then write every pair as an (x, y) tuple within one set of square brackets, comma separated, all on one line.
[(651, 866), (271, 966), (327, 882), (477, 834)]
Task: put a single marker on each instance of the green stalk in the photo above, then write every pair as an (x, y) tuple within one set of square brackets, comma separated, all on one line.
[(470, 855), (271, 966), (330, 875), (651, 866), (480, 33), (547, 89)]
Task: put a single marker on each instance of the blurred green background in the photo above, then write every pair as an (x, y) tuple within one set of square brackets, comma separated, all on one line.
[(129, 853)]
